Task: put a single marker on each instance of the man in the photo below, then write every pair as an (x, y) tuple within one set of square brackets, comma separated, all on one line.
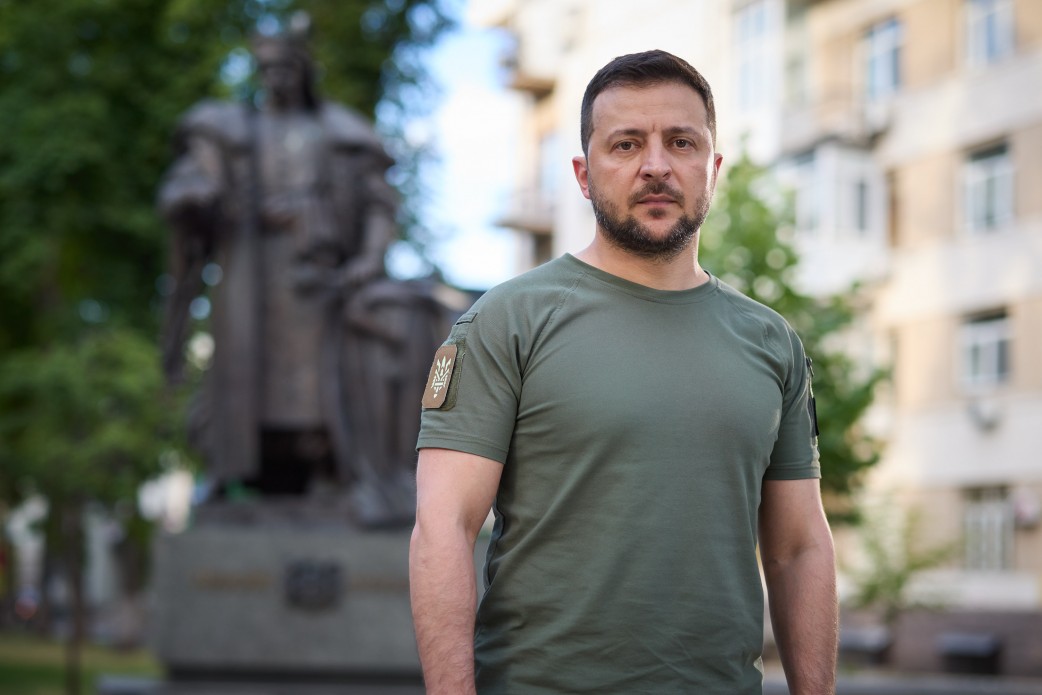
[(286, 209), (632, 421)]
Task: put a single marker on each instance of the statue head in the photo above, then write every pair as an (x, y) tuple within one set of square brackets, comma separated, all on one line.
[(285, 66)]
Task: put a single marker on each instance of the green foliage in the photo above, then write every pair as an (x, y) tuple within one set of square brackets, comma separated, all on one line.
[(742, 242), (372, 52), (86, 420), (371, 55), (893, 556), (92, 92), (33, 666)]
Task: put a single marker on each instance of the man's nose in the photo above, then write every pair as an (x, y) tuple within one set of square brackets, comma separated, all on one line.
[(656, 163)]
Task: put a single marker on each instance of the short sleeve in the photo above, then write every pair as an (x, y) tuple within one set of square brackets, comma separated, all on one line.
[(480, 408), (795, 453)]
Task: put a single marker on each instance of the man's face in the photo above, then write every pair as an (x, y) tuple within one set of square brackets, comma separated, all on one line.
[(651, 168)]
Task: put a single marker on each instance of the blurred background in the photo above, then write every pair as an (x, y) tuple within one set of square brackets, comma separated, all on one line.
[(881, 188)]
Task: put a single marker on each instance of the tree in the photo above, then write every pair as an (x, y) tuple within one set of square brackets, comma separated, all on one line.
[(91, 95), (92, 92), (88, 422), (742, 242), (893, 555)]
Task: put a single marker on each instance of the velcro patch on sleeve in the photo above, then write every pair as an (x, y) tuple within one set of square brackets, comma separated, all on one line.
[(440, 378)]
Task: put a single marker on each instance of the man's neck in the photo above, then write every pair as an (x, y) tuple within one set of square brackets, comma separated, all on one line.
[(681, 272)]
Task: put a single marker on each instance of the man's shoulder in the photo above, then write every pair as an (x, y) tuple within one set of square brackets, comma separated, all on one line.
[(533, 286), (775, 327), (751, 307)]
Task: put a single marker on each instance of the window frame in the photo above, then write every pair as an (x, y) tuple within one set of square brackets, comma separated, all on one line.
[(985, 351), (988, 187), (990, 35), (883, 44), (987, 517), (752, 28)]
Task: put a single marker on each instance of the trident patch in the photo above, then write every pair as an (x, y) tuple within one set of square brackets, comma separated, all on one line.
[(441, 375)]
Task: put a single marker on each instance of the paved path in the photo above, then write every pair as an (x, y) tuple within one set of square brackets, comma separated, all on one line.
[(862, 684), (119, 685), (919, 684)]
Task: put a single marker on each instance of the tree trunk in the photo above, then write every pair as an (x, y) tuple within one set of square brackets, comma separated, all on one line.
[(53, 538), (10, 578), (73, 530)]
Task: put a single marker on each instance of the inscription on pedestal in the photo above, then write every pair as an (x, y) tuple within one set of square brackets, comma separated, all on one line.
[(313, 585), (233, 581), (282, 598)]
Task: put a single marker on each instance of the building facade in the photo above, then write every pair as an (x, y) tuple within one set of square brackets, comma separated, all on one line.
[(911, 133)]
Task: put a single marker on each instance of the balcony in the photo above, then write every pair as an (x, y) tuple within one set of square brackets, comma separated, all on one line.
[(854, 121), (531, 211)]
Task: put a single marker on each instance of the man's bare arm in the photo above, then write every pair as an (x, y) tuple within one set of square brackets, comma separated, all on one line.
[(454, 493), (800, 567)]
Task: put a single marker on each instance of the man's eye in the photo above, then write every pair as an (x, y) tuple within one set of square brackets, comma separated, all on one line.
[(625, 146), (681, 142)]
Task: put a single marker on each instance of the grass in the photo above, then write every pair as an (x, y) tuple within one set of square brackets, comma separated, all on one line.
[(31, 665)]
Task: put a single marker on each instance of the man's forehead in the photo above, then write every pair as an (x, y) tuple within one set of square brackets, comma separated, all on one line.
[(640, 100)]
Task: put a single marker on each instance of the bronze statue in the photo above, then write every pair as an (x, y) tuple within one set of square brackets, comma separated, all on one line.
[(320, 358)]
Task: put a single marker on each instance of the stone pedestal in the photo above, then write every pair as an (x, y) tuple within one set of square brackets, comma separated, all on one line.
[(272, 595)]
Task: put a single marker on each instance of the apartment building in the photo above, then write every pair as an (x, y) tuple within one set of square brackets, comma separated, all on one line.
[(911, 131), (919, 136)]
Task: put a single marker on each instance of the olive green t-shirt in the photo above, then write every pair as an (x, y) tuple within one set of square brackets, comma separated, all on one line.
[(635, 427)]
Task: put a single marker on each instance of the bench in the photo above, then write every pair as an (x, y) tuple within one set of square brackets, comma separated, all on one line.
[(864, 646), (970, 652)]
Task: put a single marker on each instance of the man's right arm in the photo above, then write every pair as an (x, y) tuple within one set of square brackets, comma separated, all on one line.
[(454, 493)]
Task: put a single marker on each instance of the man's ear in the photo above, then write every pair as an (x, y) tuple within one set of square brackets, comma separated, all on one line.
[(718, 159), (582, 175)]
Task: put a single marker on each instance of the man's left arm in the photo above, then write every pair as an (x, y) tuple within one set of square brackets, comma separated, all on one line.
[(800, 568)]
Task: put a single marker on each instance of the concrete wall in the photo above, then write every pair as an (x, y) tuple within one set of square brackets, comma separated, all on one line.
[(926, 190), (1028, 23), (915, 647), (925, 62)]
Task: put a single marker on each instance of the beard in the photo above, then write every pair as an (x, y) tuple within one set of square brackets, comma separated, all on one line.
[(627, 234)]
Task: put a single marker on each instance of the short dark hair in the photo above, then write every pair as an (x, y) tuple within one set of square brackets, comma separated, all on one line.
[(643, 70)]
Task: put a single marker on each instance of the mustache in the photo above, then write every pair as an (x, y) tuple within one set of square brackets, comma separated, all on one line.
[(657, 188)]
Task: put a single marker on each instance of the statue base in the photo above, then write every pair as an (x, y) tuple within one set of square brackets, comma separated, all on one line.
[(278, 590)]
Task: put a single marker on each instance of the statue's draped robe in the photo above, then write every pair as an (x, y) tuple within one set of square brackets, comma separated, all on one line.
[(293, 195)]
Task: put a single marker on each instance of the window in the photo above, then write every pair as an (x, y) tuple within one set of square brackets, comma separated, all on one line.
[(751, 30), (861, 207), (989, 190), (550, 164), (986, 350), (988, 529), (989, 31), (807, 194), (893, 210), (883, 59), (796, 89)]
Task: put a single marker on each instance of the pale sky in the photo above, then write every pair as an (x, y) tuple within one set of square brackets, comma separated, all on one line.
[(475, 131)]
